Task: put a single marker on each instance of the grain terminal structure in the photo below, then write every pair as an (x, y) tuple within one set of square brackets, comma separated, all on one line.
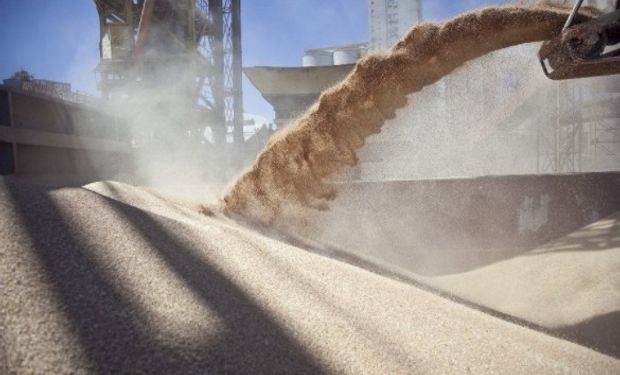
[(411, 268), (291, 90), (188, 51), (51, 135), (568, 127)]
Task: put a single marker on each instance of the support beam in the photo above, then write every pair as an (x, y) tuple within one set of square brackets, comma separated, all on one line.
[(201, 36), (236, 72), (143, 31)]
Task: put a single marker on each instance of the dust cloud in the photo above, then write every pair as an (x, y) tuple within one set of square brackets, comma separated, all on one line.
[(294, 170)]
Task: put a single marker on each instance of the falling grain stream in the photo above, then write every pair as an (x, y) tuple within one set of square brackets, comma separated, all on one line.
[(295, 168)]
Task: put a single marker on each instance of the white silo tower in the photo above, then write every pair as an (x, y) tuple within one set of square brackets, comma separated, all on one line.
[(389, 20)]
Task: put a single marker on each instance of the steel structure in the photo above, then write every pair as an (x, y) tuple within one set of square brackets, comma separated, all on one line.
[(190, 49), (602, 114), (560, 147), (585, 131), (572, 126)]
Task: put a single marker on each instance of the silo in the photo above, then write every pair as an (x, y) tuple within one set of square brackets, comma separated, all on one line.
[(346, 56), (318, 57), (389, 20)]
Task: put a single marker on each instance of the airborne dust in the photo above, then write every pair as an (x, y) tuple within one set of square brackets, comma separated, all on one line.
[(294, 170)]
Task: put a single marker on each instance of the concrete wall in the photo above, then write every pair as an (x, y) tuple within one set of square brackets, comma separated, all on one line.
[(292, 90), (38, 114), (54, 116), (287, 108), (6, 158), (59, 143), (452, 225)]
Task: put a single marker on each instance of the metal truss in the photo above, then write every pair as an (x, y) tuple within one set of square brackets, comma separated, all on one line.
[(604, 125), (586, 128), (202, 39), (560, 146)]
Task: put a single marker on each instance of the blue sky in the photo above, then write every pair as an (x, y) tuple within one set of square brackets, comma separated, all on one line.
[(58, 39)]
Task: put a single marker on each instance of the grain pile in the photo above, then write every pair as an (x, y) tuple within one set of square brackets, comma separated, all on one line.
[(90, 284), (294, 168), (116, 279), (570, 286)]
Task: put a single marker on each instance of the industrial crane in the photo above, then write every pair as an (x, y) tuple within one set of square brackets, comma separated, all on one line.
[(189, 50)]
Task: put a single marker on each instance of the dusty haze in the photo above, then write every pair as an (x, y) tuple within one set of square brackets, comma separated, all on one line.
[(294, 169)]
